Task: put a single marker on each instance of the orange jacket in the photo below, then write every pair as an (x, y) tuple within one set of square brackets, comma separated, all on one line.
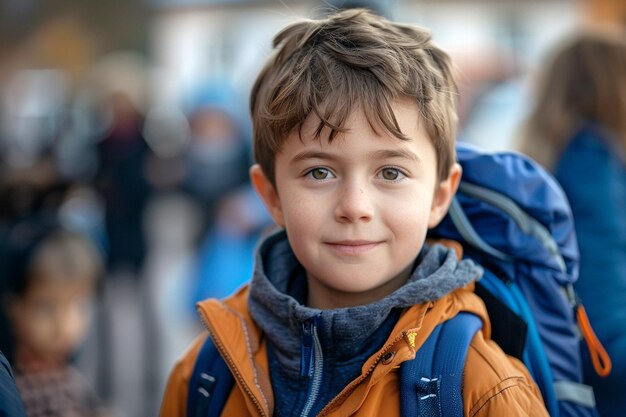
[(493, 384)]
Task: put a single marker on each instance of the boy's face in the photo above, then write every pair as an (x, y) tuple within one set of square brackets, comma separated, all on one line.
[(357, 210)]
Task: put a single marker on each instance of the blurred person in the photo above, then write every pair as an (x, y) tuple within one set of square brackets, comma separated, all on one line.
[(226, 254), (118, 83), (126, 348), (216, 165), (218, 156), (32, 110), (122, 181), (577, 129), (50, 280)]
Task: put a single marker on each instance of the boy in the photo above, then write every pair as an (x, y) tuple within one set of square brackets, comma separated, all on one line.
[(52, 275), (354, 126)]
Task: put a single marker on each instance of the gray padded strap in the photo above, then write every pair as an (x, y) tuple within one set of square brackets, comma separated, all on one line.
[(575, 392), (524, 221), (471, 236)]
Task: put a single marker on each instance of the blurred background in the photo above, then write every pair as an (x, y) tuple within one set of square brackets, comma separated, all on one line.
[(128, 119)]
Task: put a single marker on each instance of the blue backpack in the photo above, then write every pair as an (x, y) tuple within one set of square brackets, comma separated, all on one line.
[(512, 218)]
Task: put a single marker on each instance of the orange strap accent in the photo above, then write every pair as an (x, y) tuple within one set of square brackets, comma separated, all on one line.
[(600, 359)]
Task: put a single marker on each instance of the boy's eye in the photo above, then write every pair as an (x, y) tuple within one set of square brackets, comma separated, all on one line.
[(391, 174), (320, 174)]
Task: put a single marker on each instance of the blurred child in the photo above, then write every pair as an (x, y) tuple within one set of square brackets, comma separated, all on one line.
[(577, 129), (354, 129), (218, 158), (51, 279)]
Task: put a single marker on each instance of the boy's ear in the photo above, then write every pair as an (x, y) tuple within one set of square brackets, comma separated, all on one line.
[(443, 196), (266, 190)]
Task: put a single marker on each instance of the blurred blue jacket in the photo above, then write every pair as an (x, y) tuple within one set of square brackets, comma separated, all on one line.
[(593, 175), (10, 401)]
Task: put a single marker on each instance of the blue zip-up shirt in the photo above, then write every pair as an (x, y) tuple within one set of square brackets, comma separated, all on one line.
[(338, 368)]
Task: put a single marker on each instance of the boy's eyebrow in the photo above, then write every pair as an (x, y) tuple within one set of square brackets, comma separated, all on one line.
[(380, 154), (395, 153), (310, 154)]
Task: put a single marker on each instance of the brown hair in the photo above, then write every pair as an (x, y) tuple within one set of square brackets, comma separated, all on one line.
[(585, 80), (67, 254), (39, 247), (352, 59)]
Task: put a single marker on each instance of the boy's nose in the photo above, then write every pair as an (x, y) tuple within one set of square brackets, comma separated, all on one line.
[(354, 204)]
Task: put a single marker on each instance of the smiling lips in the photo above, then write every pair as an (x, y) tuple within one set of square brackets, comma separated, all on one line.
[(353, 247)]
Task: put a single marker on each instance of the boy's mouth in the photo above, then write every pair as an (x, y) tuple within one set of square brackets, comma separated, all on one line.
[(353, 247)]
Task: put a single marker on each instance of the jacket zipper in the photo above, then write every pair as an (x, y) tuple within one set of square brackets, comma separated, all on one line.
[(356, 382), (232, 366), (348, 390), (311, 351)]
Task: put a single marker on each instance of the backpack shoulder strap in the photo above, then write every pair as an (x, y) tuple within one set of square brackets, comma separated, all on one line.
[(437, 370), (210, 383)]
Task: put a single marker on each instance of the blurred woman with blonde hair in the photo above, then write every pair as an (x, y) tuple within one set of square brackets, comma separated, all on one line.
[(577, 129)]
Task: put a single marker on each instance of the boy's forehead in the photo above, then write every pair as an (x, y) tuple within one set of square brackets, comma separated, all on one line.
[(358, 120), (56, 287)]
